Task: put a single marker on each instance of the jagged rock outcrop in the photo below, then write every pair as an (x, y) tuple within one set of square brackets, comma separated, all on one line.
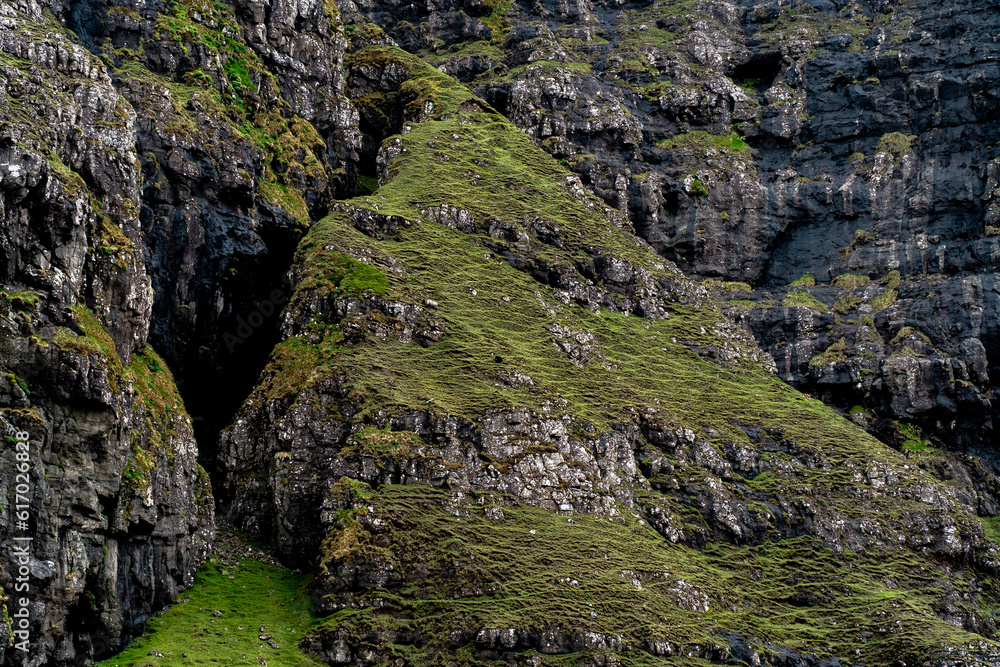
[(245, 135), (887, 351)]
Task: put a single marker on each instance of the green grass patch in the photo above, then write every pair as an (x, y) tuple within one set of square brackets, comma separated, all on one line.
[(832, 354), (381, 444), (480, 47), (884, 300), (286, 198), (906, 333), (850, 280), (366, 185), (896, 143), (250, 596), (620, 577), (21, 300), (913, 439), (497, 20), (731, 142), (296, 362), (805, 299), (846, 304), (991, 526), (805, 281), (341, 273)]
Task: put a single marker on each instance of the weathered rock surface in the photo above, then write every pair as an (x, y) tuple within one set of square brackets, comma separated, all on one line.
[(497, 418), (244, 134), (120, 514), (409, 434), (761, 142)]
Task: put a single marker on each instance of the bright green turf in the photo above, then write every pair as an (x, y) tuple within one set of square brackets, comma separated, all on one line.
[(250, 596)]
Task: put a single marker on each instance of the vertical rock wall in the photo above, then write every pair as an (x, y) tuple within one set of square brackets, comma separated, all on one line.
[(120, 512)]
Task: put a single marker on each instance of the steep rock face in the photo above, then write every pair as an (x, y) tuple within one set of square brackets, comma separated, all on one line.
[(914, 351), (819, 94), (509, 431), (119, 512), (763, 142), (245, 135), (478, 358)]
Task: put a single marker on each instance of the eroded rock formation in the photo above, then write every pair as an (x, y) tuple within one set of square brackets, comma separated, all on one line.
[(495, 302)]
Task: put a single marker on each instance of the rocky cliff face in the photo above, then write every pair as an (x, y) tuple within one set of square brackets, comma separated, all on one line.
[(120, 514), (766, 142), (498, 414), (516, 422)]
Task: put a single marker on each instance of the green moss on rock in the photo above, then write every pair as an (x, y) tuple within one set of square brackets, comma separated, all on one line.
[(850, 280), (731, 142), (798, 298)]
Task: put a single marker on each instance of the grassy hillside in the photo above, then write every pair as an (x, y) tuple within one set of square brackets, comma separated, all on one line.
[(782, 528)]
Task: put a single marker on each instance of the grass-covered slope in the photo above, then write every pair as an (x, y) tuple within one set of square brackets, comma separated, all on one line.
[(481, 325), (641, 596), (240, 611)]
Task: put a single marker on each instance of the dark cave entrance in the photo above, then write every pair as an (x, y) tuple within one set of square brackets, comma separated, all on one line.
[(219, 380), (759, 72)]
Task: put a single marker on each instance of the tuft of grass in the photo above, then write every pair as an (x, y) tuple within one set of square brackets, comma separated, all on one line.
[(805, 281), (850, 280), (381, 444), (23, 300), (71, 180), (912, 438), (832, 354), (698, 189), (284, 197), (22, 385), (892, 279), (731, 142), (896, 143), (884, 300), (295, 362), (727, 285), (497, 20), (907, 332), (804, 299), (845, 304)]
